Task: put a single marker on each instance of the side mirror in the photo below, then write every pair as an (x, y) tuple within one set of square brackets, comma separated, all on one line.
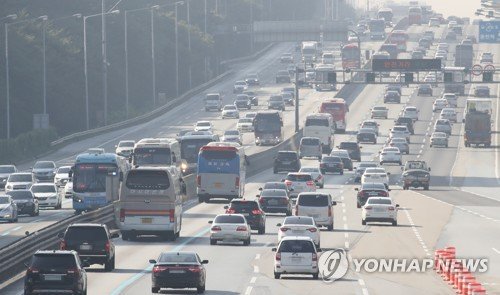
[(278, 224), (60, 235), (274, 249), (319, 250), (402, 168), (356, 189), (334, 203), (226, 207), (210, 222), (388, 173), (260, 189), (204, 261), (152, 261), (397, 205), (388, 189), (429, 168), (257, 196), (291, 190), (115, 235)]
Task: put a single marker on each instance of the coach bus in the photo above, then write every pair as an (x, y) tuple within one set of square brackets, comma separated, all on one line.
[(351, 56), (414, 15), (398, 37), (221, 171), (190, 146)]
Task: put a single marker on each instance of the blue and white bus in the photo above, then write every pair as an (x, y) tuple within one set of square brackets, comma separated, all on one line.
[(221, 171), (96, 180)]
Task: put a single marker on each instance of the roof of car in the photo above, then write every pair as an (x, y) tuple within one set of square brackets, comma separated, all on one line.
[(87, 225)]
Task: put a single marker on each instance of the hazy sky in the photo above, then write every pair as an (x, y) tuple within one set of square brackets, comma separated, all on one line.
[(462, 8)]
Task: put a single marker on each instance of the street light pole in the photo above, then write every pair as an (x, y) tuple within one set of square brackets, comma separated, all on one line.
[(153, 61), (176, 55), (7, 84), (44, 50), (104, 62), (189, 43)]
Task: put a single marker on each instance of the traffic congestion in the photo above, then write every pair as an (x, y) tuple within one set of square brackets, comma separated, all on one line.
[(223, 195)]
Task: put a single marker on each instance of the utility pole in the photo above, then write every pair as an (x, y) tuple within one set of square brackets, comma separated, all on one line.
[(104, 61), (297, 69), (189, 44)]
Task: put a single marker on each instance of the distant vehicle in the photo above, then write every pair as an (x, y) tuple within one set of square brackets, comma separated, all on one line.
[(385, 13), (352, 148), (430, 35), (368, 190), (296, 247), (5, 172), (268, 128), (400, 38), (287, 161), (245, 125), (92, 241), (252, 211), (351, 56), (400, 131), (394, 87), (344, 156), (230, 111), (370, 124), (316, 174), (390, 155), (457, 30), (366, 135), (379, 112), (190, 145), (380, 210), (360, 169), (95, 151), (254, 99), (62, 176), (321, 82), (150, 204), (283, 76), (392, 49), (457, 85), (203, 126), (376, 175), (482, 91), (25, 201), (276, 102), (64, 266), (47, 195), (286, 58), (443, 125), (416, 174), (328, 58), (310, 147), (275, 201), (486, 57), (331, 164), (320, 125), (464, 56), (448, 114), (178, 270), (301, 226), (377, 28), (230, 227), (44, 171), (213, 101), (451, 36), (439, 104), (232, 136), (309, 51), (240, 86), (299, 183), (439, 139), (125, 148), (424, 89), (392, 96), (221, 172), (425, 42), (477, 128), (288, 98), (338, 108), (405, 121), (318, 206), (434, 22), (417, 54), (19, 181), (401, 144), (8, 209), (411, 112), (275, 185), (243, 101), (252, 79)]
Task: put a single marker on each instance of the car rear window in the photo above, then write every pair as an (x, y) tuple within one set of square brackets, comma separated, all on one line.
[(178, 258), (242, 206), (348, 145), (299, 220), (299, 177), (148, 180), (57, 261), (331, 160), (20, 195), (229, 219), (310, 141), (313, 200), (380, 201), (85, 233), (288, 156), (273, 193), (275, 185), (296, 246)]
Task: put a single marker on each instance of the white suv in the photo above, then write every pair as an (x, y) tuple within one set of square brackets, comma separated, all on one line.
[(296, 255), (376, 175), (379, 209), (318, 206)]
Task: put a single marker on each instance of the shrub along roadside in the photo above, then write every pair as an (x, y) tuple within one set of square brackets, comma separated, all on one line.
[(26, 145)]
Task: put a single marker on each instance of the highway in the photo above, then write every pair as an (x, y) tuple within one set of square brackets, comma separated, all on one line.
[(460, 209)]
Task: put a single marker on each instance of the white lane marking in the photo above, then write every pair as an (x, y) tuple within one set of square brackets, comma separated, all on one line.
[(255, 269), (361, 282), (11, 230), (496, 140), (344, 218), (365, 291), (345, 227), (417, 234), (346, 244), (257, 256), (253, 280), (248, 290), (498, 252)]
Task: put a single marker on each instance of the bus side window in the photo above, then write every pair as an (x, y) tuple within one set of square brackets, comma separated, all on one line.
[(174, 158)]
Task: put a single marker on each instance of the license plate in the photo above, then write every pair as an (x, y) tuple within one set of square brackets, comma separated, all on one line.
[(287, 162), (298, 231), (379, 210), (217, 185), (147, 220), (85, 247), (177, 271), (52, 277), (272, 202), (373, 193), (245, 214), (296, 259)]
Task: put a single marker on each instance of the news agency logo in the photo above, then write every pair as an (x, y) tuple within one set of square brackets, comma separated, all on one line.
[(333, 265)]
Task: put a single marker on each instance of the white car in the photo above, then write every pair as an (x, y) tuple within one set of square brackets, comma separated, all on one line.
[(376, 175), (245, 125), (430, 78), (296, 255), (379, 112), (434, 22), (400, 131), (370, 124), (451, 98), (8, 209), (390, 155), (318, 206), (401, 144), (19, 180), (230, 227), (411, 112), (449, 114), (486, 57), (125, 148), (96, 151), (68, 190), (5, 172), (379, 209), (302, 226), (299, 182), (443, 125), (443, 46), (316, 175), (230, 111), (439, 104), (439, 139), (240, 86), (62, 176), (232, 136), (47, 195), (452, 24), (203, 126), (441, 56)]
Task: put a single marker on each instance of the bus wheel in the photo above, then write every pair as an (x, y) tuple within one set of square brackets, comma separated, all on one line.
[(78, 212)]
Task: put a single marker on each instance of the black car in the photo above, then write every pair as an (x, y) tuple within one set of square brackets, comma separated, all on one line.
[(178, 270), (370, 190), (424, 89), (408, 122), (331, 164), (243, 102), (352, 148), (425, 42), (253, 97), (252, 212), (276, 185), (457, 30), (25, 201), (482, 91), (394, 87), (276, 102), (283, 76), (366, 135), (275, 201), (55, 272), (252, 79), (392, 96), (92, 242), (286, 161)]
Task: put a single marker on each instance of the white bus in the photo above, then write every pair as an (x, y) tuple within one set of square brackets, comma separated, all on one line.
[(321, 81), (320, 125), (221, 171)]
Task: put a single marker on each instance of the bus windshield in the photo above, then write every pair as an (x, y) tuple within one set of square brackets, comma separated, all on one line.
[(271, 124), (147, 180), (92, 177), (152, 156), (191, 147), (218, 161)]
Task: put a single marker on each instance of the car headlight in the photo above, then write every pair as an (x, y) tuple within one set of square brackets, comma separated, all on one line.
[(8, 186)]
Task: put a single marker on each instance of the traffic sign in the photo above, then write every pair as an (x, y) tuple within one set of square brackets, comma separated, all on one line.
[(388, 65), (489, 31), (489, 68), (477, 70)]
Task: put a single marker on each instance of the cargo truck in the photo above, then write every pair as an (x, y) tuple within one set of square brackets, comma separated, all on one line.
[(477, 118)]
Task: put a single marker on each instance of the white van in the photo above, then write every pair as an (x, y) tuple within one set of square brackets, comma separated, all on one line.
[(318, 206), (320, 125), (150, 204)]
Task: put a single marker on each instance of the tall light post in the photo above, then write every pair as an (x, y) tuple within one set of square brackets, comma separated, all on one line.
[(189, 43), (104, 53), (7, 70), (85, 70), (176, 4), (153, 60)]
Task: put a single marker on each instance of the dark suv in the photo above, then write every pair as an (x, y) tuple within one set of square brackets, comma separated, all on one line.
[(408, 122), (93, 243), (352, 148), (53, 271), (287, 161), (254, 215)]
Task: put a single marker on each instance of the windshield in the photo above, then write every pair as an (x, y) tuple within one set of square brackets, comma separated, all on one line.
[(299, 177), (275, 185), (63, 170), (126, 144), (331, 160), (309, 170), (317, 122), (267, 124), (205, 124), (4, 200), (148, 180), (44, 165), (92, 177), (226, 108), (191, 147), (313, 200), (376, 170), (276, 98), (80, 234), (273, 193), (296, 246), (152, 156), (212, 97), (20, 195), (386, 201), (310, 141), (232, 132), (43, 188), (245, 120), (7, 169), (20, 178), (54, 261)]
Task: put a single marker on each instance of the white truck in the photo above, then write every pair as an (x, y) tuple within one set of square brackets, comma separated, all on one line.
[(309, 51), (321, 77), (480, 105)]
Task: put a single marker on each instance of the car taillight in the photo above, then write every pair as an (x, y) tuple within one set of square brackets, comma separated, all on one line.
[(288, 182), (237, 182), (322, 165), (278, 256), (198, 180), (256, 212), (62, 245), (216, 228), (159, 268), (32, 270), (261, 200), (284, 229), (107, 247), (384, 194), (391, 208), (241, 228), (310, 183), (329, 211), (230, 211), (122, 215), (73, 271), (194, 269), (284, 201), (314, 257), (368, 208), (312, 229), (171, 215)]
